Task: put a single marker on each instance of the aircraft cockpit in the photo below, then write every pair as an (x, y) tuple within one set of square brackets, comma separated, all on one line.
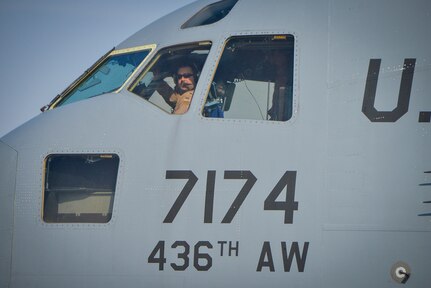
[(161, 72), (254, 79)]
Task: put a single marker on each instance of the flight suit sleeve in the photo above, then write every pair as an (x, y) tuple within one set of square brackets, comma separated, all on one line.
[(166, 92), (182, 102)]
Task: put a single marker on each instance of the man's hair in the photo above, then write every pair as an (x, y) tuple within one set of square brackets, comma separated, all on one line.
[(191, 66)]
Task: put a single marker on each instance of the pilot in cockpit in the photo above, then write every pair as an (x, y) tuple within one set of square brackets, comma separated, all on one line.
[(179, 97), (214, 106)]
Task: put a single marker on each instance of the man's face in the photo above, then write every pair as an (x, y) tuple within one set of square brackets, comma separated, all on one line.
[(186, 79)]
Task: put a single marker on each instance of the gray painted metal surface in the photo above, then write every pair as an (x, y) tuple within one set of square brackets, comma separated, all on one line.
[(8, 160), (358, 182)]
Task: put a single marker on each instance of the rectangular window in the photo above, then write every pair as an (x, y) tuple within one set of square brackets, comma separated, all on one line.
[(170, 79), (254, 79), (79, 188)]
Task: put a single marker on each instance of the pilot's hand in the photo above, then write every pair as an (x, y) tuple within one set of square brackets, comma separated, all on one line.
[(183, 103)]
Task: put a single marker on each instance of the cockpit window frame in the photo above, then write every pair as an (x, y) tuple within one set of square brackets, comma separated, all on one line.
[(113, 52), (295, 81), (158, 54)]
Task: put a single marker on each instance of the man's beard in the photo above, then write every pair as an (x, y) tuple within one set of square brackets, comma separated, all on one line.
[(184, 87)]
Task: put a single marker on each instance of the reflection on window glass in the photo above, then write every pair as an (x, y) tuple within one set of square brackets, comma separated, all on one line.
[(79, 188), (254, 79), (170, 80), (107, 77), (210, 14)]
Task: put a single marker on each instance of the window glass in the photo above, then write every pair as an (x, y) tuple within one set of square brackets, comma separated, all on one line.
[(170, 80), (254, 79), (79, 188), (210, 14), (106, 77)]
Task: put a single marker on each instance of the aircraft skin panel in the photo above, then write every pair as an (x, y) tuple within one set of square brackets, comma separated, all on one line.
[(151, 187), (161, 31), (367, 256), (390, 157), (336, 196), (8, 159)]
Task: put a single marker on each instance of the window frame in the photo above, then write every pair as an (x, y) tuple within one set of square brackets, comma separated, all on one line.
[(154, 59), (83, 77), (295, 87), (114, 196)]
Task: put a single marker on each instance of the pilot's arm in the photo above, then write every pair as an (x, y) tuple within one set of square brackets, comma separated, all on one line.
[(182, 102), (165, 91)]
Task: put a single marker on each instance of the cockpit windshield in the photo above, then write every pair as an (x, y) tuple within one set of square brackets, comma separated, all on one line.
[(108, 75)]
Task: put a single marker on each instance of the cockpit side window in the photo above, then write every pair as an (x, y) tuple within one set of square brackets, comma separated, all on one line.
[(79, 188), (170, 79), (107, 75), (254, 79)]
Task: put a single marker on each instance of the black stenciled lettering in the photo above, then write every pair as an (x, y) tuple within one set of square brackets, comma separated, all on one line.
[(294, 251), (202, 256), (266, 254), (233, 248), (209, 197), (192, 179), (403, 97), (221, 243), (425, 117), (184, 255), (161, 260), (288, 180), (251, 179)]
